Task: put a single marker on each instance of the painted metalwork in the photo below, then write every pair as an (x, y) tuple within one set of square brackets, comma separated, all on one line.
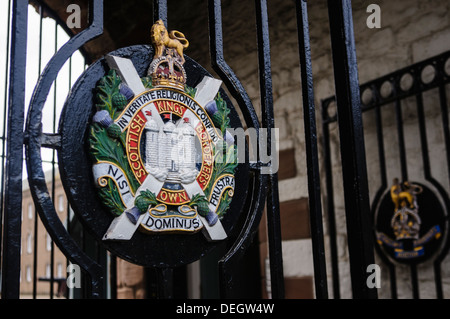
[(258, 183), (356, 195), (410, 223), (260, 188), (395, 100), (268, 121), (38, 187), (309, 118), (147, 167), (14, 153)]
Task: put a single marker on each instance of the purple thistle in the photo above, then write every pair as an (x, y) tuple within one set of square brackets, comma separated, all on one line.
[(211, 218), (126, 91), (103, 118), (228, 138), (133, 215), (211, 107)]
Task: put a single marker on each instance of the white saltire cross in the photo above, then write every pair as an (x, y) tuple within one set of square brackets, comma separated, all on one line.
[(121, 227)]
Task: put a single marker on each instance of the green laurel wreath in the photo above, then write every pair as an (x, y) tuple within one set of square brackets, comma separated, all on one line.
[(109, 145)]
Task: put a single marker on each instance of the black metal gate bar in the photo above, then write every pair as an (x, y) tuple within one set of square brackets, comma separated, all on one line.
[(160, 10), (309, 118), (69, 231), (53, 162), (330, 211), (356, 196), (445, 121), (35, 254), (273, 203), (438, 279), (446, 133), (259, 180), (35, 141), (224, 71), (164, 277), (5, 110), (68, 217), (14, 153), (401, 139), (384, 182), (414, 281), (427, 174), (428, 177), (165, 283)]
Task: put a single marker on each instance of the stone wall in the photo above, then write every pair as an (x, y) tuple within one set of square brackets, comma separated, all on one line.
[(410, 31)]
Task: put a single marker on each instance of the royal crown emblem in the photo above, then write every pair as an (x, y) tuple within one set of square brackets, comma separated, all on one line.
[(167, 65), (408, 222), (163, 162)]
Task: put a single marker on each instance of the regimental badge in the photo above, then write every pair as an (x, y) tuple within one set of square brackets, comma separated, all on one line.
[(409, 222), (406, 220), (163, 161)]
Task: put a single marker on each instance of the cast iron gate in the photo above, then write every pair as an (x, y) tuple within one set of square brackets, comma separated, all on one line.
[(417, 92), (265, 186)]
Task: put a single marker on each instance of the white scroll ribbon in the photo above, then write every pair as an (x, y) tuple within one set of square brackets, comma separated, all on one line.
[(104, 170)]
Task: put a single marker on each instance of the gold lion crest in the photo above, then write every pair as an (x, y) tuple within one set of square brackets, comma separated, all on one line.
[(167, 65)]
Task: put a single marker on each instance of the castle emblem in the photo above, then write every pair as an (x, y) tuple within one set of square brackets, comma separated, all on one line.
[(163, 162)]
